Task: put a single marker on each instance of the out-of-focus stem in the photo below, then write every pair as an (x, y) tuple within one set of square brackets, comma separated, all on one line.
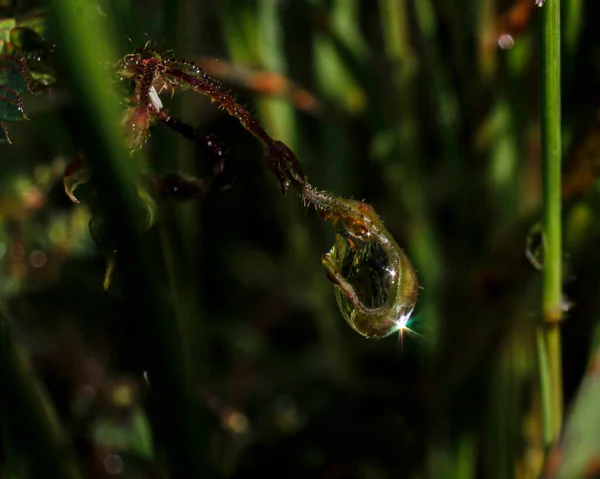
[(410, 182), (86, 44), (28, 416)]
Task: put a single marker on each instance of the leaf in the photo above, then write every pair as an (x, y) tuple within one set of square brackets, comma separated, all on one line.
[(24, 65), (133, 435), (6, 25), (36, 54), (110, 270), (77, 172), (578, 454), (12, 84)]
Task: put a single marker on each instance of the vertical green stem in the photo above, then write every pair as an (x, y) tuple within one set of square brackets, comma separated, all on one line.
[(551, 172)]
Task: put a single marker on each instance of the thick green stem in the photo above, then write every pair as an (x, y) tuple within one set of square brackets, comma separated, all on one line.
[(551, 221)]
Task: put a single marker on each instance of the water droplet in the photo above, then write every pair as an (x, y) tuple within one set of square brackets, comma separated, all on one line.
[(17, 252), (113, 464), (566, 304), (38, 258), (506, 42), (534, 250), (376, 285)]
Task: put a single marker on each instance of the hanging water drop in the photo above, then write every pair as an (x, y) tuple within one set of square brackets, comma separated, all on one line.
[(376, 285)]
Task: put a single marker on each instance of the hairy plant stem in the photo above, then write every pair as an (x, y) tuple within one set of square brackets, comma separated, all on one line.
[(551, 216)]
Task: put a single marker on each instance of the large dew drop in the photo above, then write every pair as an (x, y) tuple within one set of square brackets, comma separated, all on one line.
[(376, 285)]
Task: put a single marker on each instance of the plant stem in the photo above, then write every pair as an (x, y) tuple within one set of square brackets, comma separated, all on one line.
[(551, 221)]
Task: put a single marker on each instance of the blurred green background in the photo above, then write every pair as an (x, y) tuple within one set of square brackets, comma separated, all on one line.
[(218, 350)]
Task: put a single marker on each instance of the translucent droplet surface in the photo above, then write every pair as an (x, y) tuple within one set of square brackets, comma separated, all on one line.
[(534, 250), (375, 284), (506, 41), (365, 265)]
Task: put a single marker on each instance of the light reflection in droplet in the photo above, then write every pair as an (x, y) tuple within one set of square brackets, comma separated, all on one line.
[(404, 323), (506, 42), (113, 464), (38, 258)]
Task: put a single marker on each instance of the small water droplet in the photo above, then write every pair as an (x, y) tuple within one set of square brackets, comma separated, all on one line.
[(534, 250), (506, 42), (38, 258), (113, 464)]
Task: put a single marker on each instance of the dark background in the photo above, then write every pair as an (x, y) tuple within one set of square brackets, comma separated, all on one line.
[(414, 107)]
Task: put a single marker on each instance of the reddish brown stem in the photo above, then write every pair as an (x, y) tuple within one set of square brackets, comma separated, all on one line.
[(281, 160)]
